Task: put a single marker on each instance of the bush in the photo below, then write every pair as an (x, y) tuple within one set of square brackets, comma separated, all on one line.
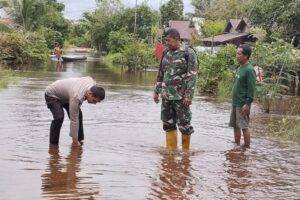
[(118, 40), (80, 35), (5, 28), (6, 77), (11, 46), (82, 41), (137, 55), (113, 59), (216, 69), (51, 37), (35, 49), (285, 128), (22, 49)]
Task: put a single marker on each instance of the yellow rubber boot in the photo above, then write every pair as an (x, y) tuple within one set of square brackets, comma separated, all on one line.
[(186, 142), (171, 139)]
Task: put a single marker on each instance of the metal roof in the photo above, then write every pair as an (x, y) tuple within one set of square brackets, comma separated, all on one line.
[(184, 27), (225, 37)]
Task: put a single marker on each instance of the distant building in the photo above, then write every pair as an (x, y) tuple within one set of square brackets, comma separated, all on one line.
[(185, 28), (236, 32)]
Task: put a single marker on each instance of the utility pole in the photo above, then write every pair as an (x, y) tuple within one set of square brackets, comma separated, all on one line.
[(161, 26), (134, 30)]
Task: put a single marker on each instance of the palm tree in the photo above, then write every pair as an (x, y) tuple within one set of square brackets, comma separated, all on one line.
[(28, 13), (6, 3)]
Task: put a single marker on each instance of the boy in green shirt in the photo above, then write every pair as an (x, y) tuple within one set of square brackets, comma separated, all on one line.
[(243, 92)]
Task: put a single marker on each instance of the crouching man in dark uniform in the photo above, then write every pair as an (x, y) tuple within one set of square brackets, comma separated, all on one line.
[(70, 94)]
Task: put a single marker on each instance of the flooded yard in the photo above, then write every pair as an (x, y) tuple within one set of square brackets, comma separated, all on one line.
[(123, 156)]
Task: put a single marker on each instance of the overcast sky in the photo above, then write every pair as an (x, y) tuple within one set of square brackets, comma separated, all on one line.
[(75, 8)]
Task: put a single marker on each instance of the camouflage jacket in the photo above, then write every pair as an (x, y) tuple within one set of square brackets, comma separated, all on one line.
[(177, 75)]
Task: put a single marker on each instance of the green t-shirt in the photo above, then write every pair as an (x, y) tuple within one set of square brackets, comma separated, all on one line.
[(243, 89)]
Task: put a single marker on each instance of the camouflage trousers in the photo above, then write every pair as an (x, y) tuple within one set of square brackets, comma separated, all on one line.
[(173, 113)]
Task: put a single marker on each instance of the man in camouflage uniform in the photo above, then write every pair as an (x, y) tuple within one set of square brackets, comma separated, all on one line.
[(175, 83)]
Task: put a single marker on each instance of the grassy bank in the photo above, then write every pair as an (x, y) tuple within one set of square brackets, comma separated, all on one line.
[(285, 128), (6, 77), (288, 126)]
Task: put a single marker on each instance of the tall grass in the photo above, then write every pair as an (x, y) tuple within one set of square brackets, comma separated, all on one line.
[(225, 85), (6, 77), (286, 128)]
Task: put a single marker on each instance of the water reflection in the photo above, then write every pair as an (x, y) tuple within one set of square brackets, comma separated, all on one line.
[(238, 175), (59, 66), (123, 165), (174, 179), (61, 180)]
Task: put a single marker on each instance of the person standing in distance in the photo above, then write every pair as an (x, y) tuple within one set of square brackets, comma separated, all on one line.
[(175, 83), (243, 92), (69, 94)]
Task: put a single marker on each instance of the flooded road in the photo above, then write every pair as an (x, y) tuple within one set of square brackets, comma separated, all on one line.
[(123, 155)]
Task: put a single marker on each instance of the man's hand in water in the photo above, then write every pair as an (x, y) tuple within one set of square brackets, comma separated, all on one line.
[(76, 143)]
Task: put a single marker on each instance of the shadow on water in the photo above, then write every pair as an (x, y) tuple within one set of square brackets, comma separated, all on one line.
[(61, 178), (238, 177), (174, 180)]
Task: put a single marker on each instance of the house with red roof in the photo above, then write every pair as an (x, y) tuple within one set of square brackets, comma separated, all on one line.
[(186, 30)]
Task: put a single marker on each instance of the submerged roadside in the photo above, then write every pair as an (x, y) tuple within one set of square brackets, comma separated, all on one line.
[(7, 76)]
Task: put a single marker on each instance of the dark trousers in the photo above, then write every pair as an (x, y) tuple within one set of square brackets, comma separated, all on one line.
[(56, 107)]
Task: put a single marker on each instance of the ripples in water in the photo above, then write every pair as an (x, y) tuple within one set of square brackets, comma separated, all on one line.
[(123, 156)]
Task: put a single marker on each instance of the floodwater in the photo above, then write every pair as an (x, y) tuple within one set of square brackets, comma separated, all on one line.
[(123, 157)]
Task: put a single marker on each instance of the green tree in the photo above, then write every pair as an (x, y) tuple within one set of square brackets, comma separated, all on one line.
[(146, 18), (111, 17), (55, 19), (80, 34), (5, 28), (23, 48), (276, 16), (216, 70), (212, 28), (154, 33), (51, 36), (6, 3), (100, 27), (101, 22), (219, 9), (137, 54), (29, 13), (172, 10), (118, 40), (33, 14), (201, 6), (109, 6)]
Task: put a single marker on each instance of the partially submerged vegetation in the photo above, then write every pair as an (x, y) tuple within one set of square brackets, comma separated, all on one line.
[(286, 128), (18, 48), (6, 77)]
